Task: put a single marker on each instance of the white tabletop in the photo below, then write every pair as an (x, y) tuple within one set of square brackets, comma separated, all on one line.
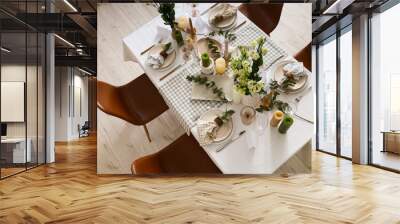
[(255, 152)]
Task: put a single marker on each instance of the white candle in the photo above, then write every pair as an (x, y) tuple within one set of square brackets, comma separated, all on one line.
[(220, 66)]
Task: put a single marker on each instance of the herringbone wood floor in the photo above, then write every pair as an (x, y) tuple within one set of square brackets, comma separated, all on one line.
[(69, 191)]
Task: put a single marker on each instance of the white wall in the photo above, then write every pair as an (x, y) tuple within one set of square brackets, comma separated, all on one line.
[(69, 84)]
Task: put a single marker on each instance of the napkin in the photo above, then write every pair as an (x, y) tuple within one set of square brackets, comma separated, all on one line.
[(155, 60), (163, 33), (201, 25), (295, 69), (206, 130)]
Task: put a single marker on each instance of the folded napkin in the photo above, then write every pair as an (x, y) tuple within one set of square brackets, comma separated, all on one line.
[(163, 33), (156, 60), (201, 25), (206, 131), (294, 69), (224, 11)]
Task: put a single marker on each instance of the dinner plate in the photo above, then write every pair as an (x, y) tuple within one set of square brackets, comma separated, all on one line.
[(202, 46), (224, 24), (167, 61), (278, 73), (224, 131)]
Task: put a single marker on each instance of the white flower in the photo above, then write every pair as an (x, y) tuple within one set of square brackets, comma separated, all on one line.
[(253, 43), (254, 55), (264, 51)]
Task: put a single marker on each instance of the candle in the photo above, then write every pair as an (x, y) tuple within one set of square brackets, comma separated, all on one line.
[(276, 118), (220, 66), (285, 124)]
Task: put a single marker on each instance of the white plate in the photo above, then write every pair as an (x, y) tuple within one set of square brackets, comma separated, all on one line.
[(202, 46), (224, 131), (168, 61), (278, 73), (224, 24)]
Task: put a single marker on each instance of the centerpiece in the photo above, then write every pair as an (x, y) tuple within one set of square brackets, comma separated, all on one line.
[(245, 67), (167, 11)]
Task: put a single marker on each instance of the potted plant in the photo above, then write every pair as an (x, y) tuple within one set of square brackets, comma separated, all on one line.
[(245, 67), (207, 64), (167, 12)]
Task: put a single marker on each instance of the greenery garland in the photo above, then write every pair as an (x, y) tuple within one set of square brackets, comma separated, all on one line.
[(209, 84)]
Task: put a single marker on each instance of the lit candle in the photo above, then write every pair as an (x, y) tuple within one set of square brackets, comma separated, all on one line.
[(220, 66), (276, 118)]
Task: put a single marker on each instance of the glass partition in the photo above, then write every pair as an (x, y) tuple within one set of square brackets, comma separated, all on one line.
[(13, 94), (23, 89)]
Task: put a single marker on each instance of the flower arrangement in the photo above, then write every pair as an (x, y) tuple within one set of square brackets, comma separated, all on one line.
[(246, 66)]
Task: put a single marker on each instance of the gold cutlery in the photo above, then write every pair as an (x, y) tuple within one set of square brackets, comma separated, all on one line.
[(213, 6), (169, 73), (232, 140), (238, 26), (305, 93), (147, 49), (304, 119), (272, 63)]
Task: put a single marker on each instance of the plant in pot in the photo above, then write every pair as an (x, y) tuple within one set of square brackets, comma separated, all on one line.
[(207, 64), (245, 66), (167, 12)]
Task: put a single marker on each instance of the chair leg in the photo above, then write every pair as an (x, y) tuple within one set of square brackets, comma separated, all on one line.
[(147, 132)]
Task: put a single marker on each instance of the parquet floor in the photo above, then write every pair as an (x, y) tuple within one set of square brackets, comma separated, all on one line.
[(69, 191)]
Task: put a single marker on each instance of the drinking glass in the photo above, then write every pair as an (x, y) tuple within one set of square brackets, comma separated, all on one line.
[(247, 115)]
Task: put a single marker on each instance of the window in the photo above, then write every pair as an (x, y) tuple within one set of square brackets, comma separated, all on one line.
[(385, 89), (326, 140), (334, 98), (346, 92)]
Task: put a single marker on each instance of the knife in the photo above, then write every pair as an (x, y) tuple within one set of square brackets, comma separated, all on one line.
[(230, 141), (169, 73), (272, 63), (209, 9), (304, 119)]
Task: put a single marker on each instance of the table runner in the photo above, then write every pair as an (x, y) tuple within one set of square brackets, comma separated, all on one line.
[(177, 90)]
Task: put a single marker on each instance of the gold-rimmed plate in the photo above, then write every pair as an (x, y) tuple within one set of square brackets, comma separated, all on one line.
[(202, 46), (167, 61), (223, 132), (279, 76), (223, 24)]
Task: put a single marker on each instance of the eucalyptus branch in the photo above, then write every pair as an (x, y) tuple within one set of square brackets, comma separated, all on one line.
[(228, 35), (224, 117), (209, 84)]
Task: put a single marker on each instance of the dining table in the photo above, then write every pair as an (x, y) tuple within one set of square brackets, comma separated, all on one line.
[(262, 149)]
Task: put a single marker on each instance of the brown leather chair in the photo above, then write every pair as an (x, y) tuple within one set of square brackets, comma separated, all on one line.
[(137, 102), (305, 56), (183, 156), (265, 16)]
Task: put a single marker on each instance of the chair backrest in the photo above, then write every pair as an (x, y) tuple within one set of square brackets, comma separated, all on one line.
[(305, 56), (183, 156), (265, 16), (110, 101)]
